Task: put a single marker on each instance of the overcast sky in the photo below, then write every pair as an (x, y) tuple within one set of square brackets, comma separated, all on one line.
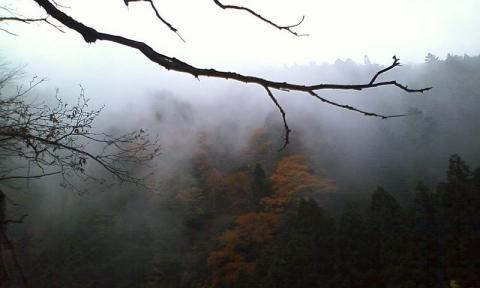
[(233, 40), (338, 29)]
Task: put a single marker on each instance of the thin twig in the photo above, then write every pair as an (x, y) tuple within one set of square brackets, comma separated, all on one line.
[(279, 27), (28, 21), (170, 26), (91, 35), (30, 177), (285, 123), (18, 221)]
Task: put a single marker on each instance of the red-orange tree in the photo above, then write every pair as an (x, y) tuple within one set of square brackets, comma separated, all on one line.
[(254, 231)]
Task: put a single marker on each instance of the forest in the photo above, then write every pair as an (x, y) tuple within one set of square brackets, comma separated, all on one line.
[(352, 201)]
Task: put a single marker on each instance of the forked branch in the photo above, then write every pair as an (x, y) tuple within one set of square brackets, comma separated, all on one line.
[(12, 16), (61, 139), (91, 35), (248, 10), (170, 26)]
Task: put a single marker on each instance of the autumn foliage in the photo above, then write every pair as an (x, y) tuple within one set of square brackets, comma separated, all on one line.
[(255, 230)]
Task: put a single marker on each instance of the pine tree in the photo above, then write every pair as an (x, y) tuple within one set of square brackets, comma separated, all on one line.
[(430, 58), (261, 186), (423, 249), (386, 238), (459, 237), (352, 249), (305, 257)]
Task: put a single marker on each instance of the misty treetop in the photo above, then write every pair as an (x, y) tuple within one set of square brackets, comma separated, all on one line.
[(371, 203), (329, 175)]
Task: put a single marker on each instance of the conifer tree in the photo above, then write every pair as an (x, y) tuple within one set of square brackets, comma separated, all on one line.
[(386, 238), (352, 249)]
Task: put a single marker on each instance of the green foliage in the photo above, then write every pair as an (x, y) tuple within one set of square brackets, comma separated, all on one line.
[(304, 254), (352, 254), (435, 239)]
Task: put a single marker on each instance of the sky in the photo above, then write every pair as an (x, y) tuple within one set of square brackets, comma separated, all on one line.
[(337, 29), (131, 87), (233, 40)]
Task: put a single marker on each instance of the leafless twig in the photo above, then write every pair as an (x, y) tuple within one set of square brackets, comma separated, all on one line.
[(28, 21), (279, 27), (18, 221), (91, 35), (170, 26), (61, 139)]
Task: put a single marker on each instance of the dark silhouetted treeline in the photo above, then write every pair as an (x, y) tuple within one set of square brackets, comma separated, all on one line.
[(226, 209), (434, 241)]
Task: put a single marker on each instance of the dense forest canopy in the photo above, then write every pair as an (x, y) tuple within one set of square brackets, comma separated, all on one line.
[(251, 162), (358, 202)]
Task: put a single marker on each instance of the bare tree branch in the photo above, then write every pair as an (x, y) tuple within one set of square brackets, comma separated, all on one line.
[(286, 28), (62, 138), (24, 20), (285, 123), (59, 5), (18, 221), (91, 35), (28, 21), (5, 243), (8, 32), (173, 29), (29, 176)]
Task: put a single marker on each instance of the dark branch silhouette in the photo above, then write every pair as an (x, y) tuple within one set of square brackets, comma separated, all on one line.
[(91, 35), (170, 26), (7, 245), (19, 18), (61, 139), (285, 123), (17, 221), (279, 27), (30, 176)]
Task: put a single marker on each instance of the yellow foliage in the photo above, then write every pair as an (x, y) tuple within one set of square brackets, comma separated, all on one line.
[(188, 196), (238, 188), (228, 265), (259, 145), (292, 177), (254, 228), (257, 227)]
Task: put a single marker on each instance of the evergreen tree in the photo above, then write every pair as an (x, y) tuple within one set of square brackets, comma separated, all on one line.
[(458, 171), (305, 258), (423, 246), (386, 238), (352, 249), (457, 214), (261, 186), (430, 58)]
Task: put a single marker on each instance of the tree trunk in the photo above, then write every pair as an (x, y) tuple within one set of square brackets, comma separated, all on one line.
[(4, 275)]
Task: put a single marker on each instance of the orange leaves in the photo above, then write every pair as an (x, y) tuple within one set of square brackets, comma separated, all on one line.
[(257, 227), (293, 176), (237, 189), (229, 265), (259, 143), (253, 230), (249, 197)]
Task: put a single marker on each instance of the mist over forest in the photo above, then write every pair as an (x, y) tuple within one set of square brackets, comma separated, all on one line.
[(352, 201)]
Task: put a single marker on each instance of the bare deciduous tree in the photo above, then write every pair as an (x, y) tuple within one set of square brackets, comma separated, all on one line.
[(61, 139), (56, 139), (92, 35)]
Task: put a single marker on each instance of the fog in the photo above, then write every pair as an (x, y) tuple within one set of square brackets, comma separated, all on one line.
[(215, 133)]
